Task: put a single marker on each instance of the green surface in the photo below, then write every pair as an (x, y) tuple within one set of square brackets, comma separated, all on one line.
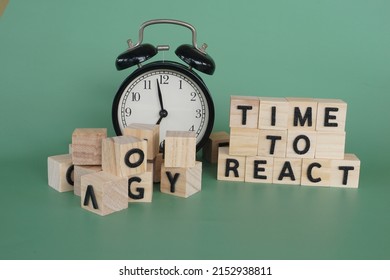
[(57, 73)]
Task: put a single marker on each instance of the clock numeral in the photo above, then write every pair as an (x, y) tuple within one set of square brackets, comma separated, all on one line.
[(198, 113), (193, 96), (135, 96), (147, 84), (164, 79), (192, 128), (128, 111), (181, 84)]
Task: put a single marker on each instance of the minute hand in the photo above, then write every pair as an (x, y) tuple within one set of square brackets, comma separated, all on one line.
[(160, 95), (163, 113)]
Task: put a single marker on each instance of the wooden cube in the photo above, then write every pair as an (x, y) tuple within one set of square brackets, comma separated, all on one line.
[(230, 168), (331, 115), (244, 111), (243, 141), (140, 186), (87, 145), (181, 181), (60, 172), (180, 149), (273, 113), (301, 144), (124, 156), (81, 170), (287, 171), (302, 113), (157, 162), (216, 140), (345, 172), (259, 169), (103, 193), (316, 172), (148, 132), (272, 143), (330, 145)]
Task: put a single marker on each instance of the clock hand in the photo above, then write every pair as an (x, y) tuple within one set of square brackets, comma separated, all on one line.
[(163, 113), (160, 95)]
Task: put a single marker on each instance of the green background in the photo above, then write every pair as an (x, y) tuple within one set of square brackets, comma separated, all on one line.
[(57, 73)]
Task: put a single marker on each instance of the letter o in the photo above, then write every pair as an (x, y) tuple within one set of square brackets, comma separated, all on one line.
[(138, 162)]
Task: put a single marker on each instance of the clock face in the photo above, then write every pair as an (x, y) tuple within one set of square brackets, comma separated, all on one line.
[(168, 95)]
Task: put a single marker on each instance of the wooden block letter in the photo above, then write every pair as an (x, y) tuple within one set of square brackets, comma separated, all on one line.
[(331, 115), (81, 170), (180, 149), (345, 172), (316, 172), (330, 145), (181, 181), (148, 132), (272, 143), (287, 171), (87, 145), (60, 172), (244, 111), (124, 156), (259, 169), (243, 141), (301, 144), (216, 140), (140, 186), (230, 168), (302, 113), (103, 193), (273, 113)]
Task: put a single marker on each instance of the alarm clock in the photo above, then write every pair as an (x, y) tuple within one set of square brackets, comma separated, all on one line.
[(166, 93)]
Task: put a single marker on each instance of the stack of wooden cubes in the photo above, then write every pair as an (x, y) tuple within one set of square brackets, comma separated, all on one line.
[(110, 173), (296, 141), (181, 174)]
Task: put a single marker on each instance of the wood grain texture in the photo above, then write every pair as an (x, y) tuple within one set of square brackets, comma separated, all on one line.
[(81, 170), (110, 192), (287, 171), (304, 107), (316, 172), (248, 117), (330, 145), (331, 115), (345, 172), (115, 152), (210, 149), (230, 168), (157, 162), (273, 113), (243, 141), (141, 186), (301, 144), (259, 169), (180, 149), (57, 168), (189, 180), (87, 145), (148, 132), (272, 143)]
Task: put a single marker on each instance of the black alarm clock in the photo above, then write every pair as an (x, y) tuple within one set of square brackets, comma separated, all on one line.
[(166, 93)]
